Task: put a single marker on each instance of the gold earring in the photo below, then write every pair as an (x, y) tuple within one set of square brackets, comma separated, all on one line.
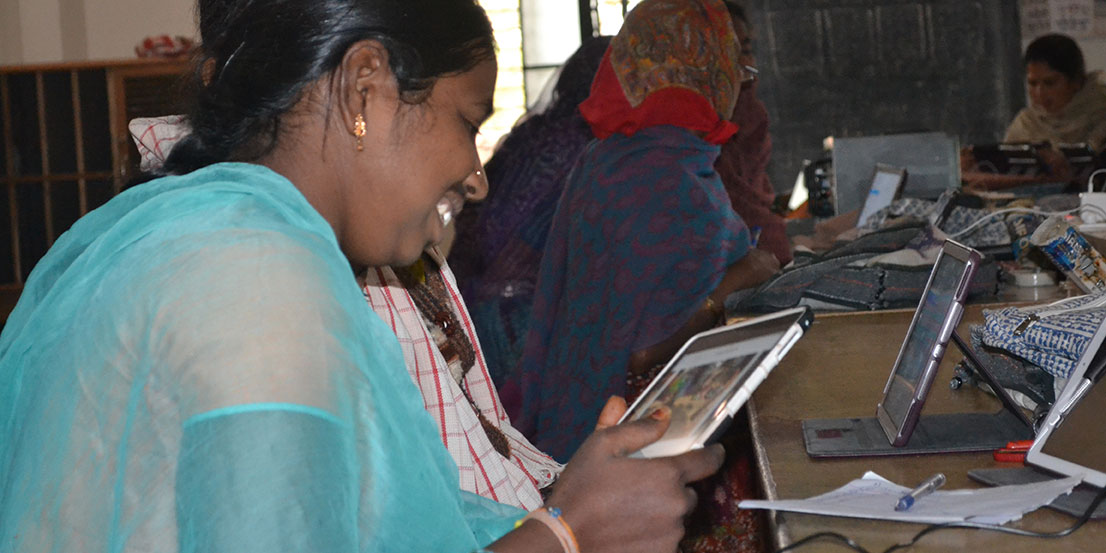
[(359, 130)]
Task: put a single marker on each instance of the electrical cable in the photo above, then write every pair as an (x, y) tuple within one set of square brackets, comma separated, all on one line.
[(822, 536), (1086, 516), (1090, 179), (993, 214), (1090, 207)]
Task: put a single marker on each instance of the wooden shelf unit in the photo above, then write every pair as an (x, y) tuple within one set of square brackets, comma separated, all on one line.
[(65, 148)]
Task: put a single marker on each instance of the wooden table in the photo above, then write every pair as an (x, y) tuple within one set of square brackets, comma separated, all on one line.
[(838, 370)]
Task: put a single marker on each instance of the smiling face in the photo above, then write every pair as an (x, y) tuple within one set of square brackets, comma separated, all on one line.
[(1048, 88), (418, 166)]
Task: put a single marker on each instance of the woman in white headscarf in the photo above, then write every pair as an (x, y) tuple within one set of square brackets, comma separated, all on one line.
[(1067, 105)]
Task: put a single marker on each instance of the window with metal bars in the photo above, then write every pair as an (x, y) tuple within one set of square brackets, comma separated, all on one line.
[(535, 37)]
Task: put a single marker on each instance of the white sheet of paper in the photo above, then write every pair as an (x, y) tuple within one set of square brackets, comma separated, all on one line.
[(873, 496)]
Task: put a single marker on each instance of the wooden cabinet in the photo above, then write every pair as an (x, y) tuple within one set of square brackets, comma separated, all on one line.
[(65, 148)]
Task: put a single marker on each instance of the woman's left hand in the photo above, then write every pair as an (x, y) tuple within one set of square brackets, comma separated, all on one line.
[(612, 412)]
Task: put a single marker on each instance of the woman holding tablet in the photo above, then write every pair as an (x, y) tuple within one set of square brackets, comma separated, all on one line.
[(192, 367)]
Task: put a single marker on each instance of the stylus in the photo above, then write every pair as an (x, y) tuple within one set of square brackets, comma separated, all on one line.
[(925, 488)]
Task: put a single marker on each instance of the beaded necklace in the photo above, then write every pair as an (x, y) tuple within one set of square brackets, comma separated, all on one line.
[(423, 281)]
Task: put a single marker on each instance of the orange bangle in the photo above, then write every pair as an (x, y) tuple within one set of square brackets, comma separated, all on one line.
[(551, 518)]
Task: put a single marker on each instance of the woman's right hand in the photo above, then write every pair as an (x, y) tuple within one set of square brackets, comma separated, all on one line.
[(619, 504)]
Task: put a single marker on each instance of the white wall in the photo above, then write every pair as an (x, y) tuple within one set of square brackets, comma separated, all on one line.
[(39, 36), (1094, 53), (74, 30), (116, 26), (40, 31), (11, 39)]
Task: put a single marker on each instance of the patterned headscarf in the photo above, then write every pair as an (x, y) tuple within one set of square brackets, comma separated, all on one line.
[(673, 63)]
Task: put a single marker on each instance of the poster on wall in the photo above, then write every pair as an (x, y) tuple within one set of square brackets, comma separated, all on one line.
[(1075, 18)]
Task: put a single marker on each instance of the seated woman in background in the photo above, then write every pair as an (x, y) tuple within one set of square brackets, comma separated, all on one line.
[(743, 164), (1067, 105), (192, 366), (499, 241), (644, 245)]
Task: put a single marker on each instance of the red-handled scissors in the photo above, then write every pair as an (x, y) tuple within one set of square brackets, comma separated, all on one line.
[(1013, 452)]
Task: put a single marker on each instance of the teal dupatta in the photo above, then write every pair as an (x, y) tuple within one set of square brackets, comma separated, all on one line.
[(192, 367)]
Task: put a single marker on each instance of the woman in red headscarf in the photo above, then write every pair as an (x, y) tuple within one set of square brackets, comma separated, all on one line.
[(644, 245)]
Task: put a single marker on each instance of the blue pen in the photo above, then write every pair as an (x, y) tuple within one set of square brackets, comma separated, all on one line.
[(754, 236), (925, 488)]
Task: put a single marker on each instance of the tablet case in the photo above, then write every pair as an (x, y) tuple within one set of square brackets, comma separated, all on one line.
[(951, 433)]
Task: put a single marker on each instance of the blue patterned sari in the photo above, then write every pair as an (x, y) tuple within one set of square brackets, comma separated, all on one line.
[(643, 233)]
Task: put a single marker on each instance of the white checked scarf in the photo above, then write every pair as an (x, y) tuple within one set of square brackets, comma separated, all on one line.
[(483, 470)]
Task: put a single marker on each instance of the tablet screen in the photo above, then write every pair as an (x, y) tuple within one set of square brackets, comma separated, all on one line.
[(696, 386), (885, 186), (713, 375), (923, 337)]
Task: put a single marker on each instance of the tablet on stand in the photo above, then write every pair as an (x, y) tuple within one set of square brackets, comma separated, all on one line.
[(899, 428)]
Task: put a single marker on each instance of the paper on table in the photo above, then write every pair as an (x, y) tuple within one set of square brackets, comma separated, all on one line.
[(873, 496)]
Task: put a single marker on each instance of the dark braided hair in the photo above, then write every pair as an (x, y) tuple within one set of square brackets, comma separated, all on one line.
[(259, 56)]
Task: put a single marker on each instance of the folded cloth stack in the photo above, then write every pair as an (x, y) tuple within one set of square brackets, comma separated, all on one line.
[(1052, 336)]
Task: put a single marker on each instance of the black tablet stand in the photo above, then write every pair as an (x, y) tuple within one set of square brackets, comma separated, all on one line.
[(993, 382)]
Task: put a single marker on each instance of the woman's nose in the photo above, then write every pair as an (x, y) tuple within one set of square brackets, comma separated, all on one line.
[(476, 185)]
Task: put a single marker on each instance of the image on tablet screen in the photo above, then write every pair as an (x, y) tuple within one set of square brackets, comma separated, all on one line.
[(697, 386)]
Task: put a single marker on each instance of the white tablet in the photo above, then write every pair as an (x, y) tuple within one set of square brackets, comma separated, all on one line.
[(713, 375), (887, 182), (1077, 447), (1072, 440)]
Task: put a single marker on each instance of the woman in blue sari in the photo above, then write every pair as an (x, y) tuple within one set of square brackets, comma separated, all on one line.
[(192, 367), (644, 245), (500, 240)]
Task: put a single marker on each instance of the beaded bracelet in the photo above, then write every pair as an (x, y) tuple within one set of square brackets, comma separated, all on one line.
[(551, 517)]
